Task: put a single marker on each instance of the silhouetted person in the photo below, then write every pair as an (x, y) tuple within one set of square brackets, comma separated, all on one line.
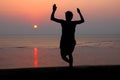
[(67, 42)]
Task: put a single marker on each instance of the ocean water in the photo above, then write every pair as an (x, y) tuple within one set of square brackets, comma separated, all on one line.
[(24, 51), (29, 41), (52, 41), (101, 41)]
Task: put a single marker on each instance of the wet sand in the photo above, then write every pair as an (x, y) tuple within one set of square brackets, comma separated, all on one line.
[(40, 57), (62, 73)]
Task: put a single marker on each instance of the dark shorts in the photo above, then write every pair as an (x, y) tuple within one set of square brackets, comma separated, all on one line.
[(67, 47)]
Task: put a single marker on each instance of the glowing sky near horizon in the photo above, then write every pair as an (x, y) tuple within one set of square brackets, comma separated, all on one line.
[(19, 16)]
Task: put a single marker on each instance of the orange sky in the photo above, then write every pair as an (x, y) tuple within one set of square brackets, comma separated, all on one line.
[(36, 11), (32, 9)]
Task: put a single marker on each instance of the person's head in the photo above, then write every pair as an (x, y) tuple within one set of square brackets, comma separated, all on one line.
[(69, 15)]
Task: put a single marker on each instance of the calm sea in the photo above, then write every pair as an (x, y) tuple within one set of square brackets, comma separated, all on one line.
[(23, 51), (52, 41)]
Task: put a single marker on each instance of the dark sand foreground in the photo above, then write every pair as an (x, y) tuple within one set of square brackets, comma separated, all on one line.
[(62, 73)]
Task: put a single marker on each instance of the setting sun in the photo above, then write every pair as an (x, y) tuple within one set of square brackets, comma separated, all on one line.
[(35, 26)]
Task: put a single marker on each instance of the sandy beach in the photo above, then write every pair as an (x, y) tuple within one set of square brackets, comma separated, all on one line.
[(63, 73)]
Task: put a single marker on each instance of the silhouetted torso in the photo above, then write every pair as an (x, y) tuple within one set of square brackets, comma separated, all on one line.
[(68, 36), (68, 30)]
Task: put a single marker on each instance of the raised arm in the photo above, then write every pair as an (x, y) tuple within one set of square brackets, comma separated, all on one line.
[(81, 17), (53, 13)]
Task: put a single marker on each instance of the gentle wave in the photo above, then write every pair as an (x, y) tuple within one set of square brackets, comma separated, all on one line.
[(99, 44)]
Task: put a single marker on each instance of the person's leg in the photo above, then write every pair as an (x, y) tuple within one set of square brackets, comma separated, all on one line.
[(70, 60), (64, 56), (71, 49)]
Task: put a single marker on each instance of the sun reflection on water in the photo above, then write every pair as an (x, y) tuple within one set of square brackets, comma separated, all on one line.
[(35, 57)]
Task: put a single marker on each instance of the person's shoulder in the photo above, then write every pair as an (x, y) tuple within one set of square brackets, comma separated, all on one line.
[(62, 20), (74, 22)]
